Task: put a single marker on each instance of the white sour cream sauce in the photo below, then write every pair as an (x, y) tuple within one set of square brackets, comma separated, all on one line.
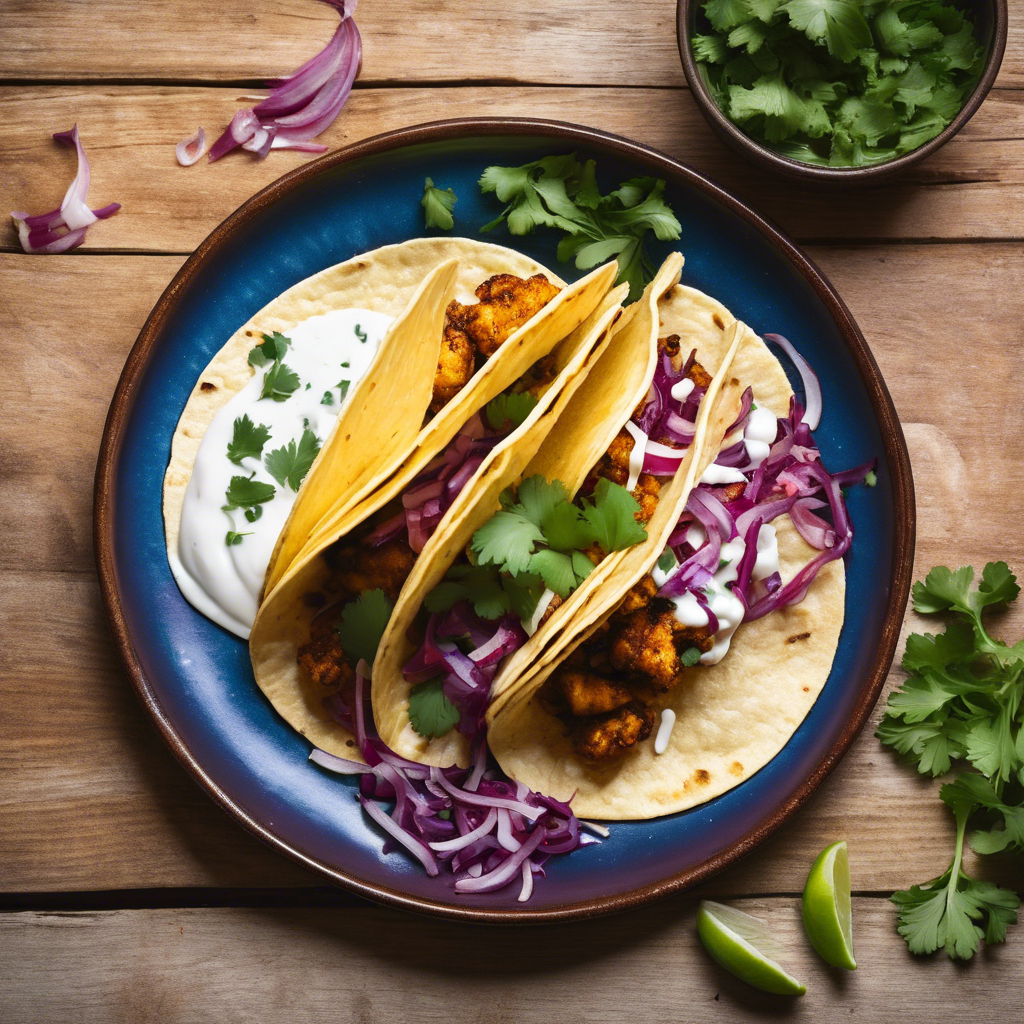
[(758, 437), (223, 581)]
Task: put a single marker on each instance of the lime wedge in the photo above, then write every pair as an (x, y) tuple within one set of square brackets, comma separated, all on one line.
[(826, 905), (738, 942)]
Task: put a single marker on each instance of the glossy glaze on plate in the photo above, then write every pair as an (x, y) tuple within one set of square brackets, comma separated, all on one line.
[(195, 679)]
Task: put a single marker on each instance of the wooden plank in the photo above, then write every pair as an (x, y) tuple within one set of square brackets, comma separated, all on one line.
[(560, 41), (77, 755), (971, 189), (373, 965)]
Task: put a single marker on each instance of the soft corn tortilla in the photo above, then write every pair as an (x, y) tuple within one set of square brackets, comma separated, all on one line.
[(731, 718), (283, 622), (589, 418), (406, 281)]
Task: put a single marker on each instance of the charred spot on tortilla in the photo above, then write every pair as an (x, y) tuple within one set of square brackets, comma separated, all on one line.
[(807, 689), (718, 321), (797, 636), (736, 768), (702, 776), (207, 386)]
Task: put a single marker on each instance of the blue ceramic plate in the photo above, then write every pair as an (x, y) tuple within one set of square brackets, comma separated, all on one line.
[(196, 680)]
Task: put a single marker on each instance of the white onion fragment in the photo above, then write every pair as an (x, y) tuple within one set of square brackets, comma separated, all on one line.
[(64, 228), (303, 104), (189, 150)]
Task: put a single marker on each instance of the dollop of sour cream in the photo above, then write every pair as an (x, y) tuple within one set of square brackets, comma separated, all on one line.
[(758, 438), (222, 557)]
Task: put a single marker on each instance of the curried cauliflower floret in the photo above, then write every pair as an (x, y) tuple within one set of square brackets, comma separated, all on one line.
[(589, 694), (357, 567), (607, 737), (324, 660)]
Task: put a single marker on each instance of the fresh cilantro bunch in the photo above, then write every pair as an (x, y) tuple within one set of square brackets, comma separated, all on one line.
[(560, 192), (542, 532), (962, 702), (838, 82)]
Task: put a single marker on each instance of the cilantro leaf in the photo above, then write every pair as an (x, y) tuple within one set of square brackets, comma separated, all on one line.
[(279, 382), (491, 592), (431, 713), (668, 560), (244, 492), (555, 568), (612, 517), (839, 22), (247, 440), (362, 625), (360, 333), (690, 656), (538, 497), (437, 206), (290, 464), (344, 385), (231, 538), (328, 398), (507, 539), (508, 411), (270, 350)]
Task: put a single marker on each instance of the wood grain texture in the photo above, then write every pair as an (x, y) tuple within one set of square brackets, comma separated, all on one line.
[(101, 804), (562, 41), (970, 189), (369, 966)]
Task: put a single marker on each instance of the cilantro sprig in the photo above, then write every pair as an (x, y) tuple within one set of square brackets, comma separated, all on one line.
[(560, 192), (437, 206), (963, 701), (362, 625), (289, 464), (247, 439), (491, 592), (509, 411), (243, 492), (541, 531), (431, 713), (280, 382), (838, 82)]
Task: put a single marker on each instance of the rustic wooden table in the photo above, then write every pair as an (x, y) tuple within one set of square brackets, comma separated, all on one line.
[(128, 894)]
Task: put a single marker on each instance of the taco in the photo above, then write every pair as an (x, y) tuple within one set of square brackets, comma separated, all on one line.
[(380, 338), (712, 644), (542, 548), (331, 606)]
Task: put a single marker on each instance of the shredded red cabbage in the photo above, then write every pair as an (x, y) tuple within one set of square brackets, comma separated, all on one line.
[(790, 480), (432, 493), (485, 831), (304, 103), (64, 228)]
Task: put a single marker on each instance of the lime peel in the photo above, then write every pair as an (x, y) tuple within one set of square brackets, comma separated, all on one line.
[(827, 908), (738, 942)]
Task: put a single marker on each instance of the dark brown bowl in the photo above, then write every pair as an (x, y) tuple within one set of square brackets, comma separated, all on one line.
[(991, 22)]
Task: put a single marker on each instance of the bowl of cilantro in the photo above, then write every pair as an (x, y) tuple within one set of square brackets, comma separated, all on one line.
[(840, 91)]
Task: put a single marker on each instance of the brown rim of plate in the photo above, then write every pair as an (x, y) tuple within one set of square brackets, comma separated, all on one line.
[(438, 131), (796, 170)]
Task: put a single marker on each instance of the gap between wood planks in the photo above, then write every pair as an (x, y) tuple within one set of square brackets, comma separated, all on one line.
[(193, 897)]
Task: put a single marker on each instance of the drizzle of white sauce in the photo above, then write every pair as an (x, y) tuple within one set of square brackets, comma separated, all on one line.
[(668, 721), (223, 581), (759, 435), (682, 389), (716, 475), (636, 455)]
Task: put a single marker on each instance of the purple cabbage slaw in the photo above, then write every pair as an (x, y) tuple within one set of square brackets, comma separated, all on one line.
[(431, 493), (486, 831), (790, 480)]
